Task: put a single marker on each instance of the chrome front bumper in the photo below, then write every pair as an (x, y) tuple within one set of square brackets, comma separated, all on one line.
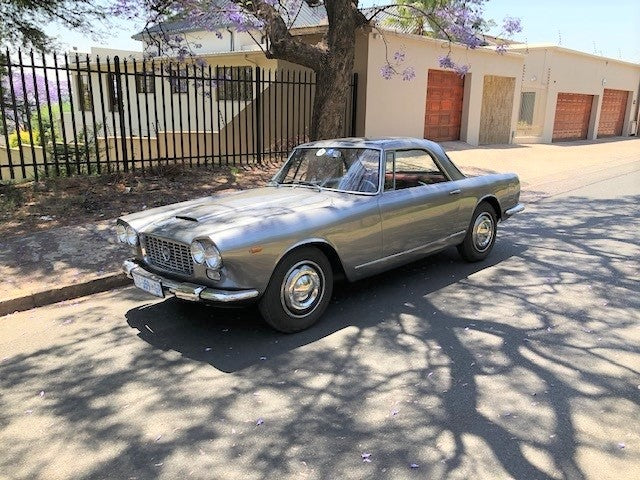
[(512, 211), (189, 291)]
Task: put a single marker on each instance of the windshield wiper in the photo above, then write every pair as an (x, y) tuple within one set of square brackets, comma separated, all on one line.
[(303, 183)]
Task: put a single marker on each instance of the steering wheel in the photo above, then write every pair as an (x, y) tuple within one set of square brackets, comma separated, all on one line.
[(374, 187)]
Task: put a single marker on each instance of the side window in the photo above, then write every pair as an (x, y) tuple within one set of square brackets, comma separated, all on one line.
[(415, 168), (389, 180)]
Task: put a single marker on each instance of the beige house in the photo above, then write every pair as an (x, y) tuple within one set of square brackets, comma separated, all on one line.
[(570, 95), (530, 94)]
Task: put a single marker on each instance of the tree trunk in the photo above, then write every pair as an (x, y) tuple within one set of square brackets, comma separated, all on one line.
[(332, 62), (331, 96)]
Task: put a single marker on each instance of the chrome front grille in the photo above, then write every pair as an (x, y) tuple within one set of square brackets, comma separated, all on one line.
[(168, 255)]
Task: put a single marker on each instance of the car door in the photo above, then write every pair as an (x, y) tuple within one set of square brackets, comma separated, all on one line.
[(419, 206)]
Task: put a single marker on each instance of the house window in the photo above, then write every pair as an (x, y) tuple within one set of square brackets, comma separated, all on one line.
[(178, 80), (236, 83), (145, 83), (113, 92), (84, 93), (527, 102)]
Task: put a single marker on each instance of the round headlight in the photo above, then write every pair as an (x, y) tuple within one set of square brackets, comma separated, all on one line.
[(132, 236), (121, 232), (197, 252), (212, 256)]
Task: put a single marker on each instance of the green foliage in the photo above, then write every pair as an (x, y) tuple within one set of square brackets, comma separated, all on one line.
[(23, 20)]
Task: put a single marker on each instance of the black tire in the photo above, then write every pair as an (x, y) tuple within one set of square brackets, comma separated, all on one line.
[(291, 313), (476, 245)]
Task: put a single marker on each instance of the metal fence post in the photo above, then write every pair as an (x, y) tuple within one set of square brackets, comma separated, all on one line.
[(120, 108), (258, 118)]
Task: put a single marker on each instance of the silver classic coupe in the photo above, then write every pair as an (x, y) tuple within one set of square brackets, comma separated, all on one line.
[(337, 208)]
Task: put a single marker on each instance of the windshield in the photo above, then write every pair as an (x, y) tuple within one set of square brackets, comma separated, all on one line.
[(345, 169)]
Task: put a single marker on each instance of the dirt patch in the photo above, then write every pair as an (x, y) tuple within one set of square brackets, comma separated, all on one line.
[(55, 202)]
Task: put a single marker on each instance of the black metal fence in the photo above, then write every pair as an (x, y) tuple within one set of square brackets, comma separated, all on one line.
[(69, 115)]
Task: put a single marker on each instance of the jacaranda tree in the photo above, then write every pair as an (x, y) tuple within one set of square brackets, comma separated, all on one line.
[(332, 60)]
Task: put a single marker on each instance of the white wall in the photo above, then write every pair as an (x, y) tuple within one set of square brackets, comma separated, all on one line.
[(204, 42), (397, 107), (172, 108)]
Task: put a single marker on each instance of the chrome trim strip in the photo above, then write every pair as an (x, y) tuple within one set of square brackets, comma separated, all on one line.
[(512, 211), (190, 291), (421, 247)]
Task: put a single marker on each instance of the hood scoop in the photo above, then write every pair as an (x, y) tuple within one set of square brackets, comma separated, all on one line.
[(186, 217)]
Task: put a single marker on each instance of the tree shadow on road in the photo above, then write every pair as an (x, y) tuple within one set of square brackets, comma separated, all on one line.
[(511, 368)]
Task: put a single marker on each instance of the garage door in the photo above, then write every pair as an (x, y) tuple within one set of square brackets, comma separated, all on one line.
[(614, 105), (573, 112), (443, 113)]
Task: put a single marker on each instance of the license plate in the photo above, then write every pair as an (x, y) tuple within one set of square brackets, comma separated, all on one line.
[(154, 287)]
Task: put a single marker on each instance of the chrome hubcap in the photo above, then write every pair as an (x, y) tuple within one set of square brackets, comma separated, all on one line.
[(302, 288), (483, 231)]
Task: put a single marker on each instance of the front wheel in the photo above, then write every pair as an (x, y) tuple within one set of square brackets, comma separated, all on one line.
[(299, 291), (481, 234)]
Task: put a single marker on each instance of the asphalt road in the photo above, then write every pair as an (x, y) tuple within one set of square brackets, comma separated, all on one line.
[(524, 366)]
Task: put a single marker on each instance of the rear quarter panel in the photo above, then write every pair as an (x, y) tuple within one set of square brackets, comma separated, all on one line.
[(504, 187)]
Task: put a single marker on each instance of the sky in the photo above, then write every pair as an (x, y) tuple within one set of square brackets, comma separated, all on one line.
[(608, 28)]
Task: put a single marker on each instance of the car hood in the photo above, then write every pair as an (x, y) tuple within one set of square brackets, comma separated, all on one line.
[(210, 215)]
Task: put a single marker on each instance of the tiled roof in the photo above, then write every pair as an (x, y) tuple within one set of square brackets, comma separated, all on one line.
[(306, 17)]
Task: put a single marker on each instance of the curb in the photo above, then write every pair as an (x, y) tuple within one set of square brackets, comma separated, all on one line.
[(68, 292)]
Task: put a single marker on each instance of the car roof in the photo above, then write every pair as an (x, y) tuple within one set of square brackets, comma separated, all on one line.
[(382, 143)]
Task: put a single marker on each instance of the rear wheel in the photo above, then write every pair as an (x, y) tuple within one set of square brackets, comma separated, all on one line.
[(299, 291), (481, 234)]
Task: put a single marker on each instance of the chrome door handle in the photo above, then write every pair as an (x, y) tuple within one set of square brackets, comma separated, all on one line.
[(455, 192)]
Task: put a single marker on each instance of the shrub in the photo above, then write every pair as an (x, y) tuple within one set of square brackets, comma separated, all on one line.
[(25, 138)]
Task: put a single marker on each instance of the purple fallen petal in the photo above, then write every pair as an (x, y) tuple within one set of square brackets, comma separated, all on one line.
[(394, 412), (158, 438), (208, 349), (366, 460), (41, 393), (29, 412), (621, 445), (263, 358), (260, 421), (366, 457), (414, 465)]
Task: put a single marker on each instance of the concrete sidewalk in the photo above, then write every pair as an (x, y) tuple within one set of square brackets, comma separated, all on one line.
[(59, 264), (69, 262)]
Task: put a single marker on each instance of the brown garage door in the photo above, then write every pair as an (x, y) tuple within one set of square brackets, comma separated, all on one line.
[(443, 114), (573, 111), (614, 105)]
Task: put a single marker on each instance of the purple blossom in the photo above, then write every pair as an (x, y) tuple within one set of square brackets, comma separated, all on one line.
[(408, 74), (511, 25), (387, 71), (446, 62), (462, 70), (502, 48), (399, 56)]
